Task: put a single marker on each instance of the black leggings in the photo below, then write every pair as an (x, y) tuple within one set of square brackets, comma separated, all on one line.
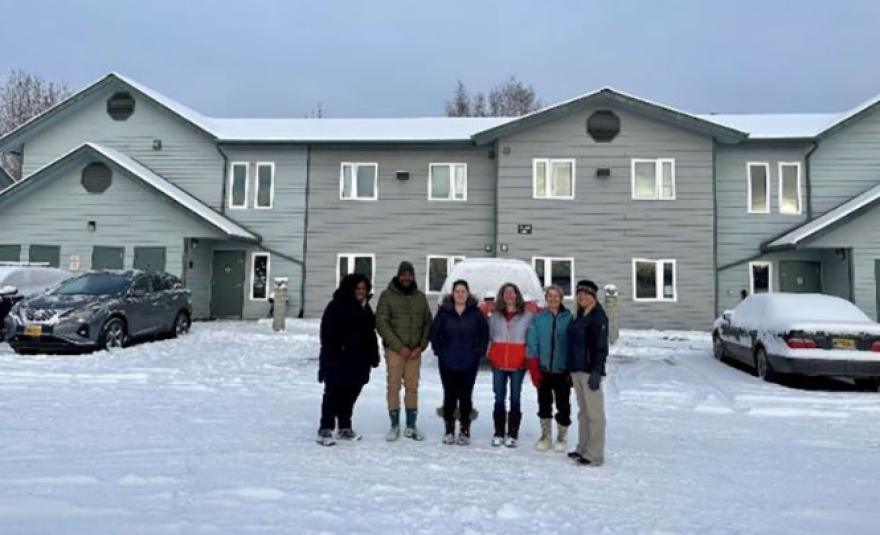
[(338, 405), (458, 392), (555, 385)]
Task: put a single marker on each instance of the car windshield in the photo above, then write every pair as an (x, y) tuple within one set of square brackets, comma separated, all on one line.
[(101, 284)]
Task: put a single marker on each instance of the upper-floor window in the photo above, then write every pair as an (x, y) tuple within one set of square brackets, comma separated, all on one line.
[(238, 185), (558, 271), (553, 179), (759, 188), (363, 264), (653, 179), (358, 181), (447, 182), (654, 280), (439, 267), (265, 197), (789, 188)]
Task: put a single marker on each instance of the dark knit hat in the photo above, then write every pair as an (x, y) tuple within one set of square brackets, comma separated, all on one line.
[(405, 267), (586, 285)]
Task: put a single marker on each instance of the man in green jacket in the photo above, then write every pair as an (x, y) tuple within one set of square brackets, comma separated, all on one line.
[(403, 319)]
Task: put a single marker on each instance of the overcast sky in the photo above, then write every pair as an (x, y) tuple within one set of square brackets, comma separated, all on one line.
[(363, 58)]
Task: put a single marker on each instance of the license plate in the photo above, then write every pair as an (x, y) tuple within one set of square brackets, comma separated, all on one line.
[(844, 343), (33, 330)]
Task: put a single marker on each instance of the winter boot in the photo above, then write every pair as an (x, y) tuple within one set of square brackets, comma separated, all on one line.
[(325, 437), (394, 432), (411, 430), (561, 439), (546, 435), (500, 418), (464, 435), (347, 434), (513, 421), (449, 436)]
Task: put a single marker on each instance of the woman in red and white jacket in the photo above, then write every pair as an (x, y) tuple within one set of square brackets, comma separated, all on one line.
[(508, 326)]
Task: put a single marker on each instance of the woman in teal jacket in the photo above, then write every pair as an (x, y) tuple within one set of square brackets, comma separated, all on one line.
[(547, 348)]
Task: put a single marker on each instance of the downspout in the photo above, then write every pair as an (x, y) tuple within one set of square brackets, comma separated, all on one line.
[(225, 178), (808, 182), (495, 200), (302, 289), (715, 226)]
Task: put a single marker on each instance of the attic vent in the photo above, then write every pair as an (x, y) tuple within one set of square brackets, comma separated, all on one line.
[(96, 178), (603, 126), (120, 106)]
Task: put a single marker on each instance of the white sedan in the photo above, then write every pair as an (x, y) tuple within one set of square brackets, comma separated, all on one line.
[(808, 334)]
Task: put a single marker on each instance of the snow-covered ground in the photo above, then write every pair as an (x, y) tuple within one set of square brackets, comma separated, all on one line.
[(214, 433)]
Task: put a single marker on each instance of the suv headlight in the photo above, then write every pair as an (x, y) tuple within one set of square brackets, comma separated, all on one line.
[(79, 315)]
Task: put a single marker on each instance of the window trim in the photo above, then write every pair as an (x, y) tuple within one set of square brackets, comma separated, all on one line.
[(231, 184), (355, 166), (452, 191), (658, 178), (547, 176), (450, 263), (254, 255), (800, 201), (659, 276), (769, 266), (371, 256), (544, 283), (766, 166), (257, 166)]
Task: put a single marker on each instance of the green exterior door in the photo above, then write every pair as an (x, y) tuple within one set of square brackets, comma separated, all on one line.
[(800, 277), (10, 253), (45, 254), (108, 258), (227, 284), (149, 258)]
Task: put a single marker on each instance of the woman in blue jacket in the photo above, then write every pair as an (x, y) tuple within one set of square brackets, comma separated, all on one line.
[(459, 338), (548, 366)]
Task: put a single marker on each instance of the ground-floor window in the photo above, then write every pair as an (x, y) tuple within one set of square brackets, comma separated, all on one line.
[(363, 264), (558, 271), (760, 277), (260, 276), (654, 280), (439, 267)]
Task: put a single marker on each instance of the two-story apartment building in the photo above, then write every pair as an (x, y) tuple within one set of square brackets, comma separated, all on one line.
[(682, 212)]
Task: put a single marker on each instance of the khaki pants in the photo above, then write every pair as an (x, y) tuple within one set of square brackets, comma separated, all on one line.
[(404, 372), (591, 419)]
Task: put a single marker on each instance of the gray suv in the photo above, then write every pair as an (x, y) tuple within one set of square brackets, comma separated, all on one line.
[(100, 310)]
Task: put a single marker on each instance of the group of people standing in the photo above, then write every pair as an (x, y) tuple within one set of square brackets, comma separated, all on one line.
[(559, 349)]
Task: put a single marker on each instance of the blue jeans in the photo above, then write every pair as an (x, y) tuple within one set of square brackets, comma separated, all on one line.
[(499, 385)]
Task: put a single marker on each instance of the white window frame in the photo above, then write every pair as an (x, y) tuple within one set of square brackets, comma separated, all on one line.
[(452, 190), (766, 166), (548, 273), (451, 260), (271, 166), (351, 257), (254, 256), (658, 178), (658, 269), (752, 266), (548, 175), (231, 183), (799, 192), (354, 169)]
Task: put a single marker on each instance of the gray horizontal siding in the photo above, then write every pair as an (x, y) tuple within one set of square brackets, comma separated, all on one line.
[(732, 281), (188, 157), (603, 229), (402, 224), (740, 233)]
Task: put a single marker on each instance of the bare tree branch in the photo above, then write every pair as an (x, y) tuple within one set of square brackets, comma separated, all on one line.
[(510, 98)]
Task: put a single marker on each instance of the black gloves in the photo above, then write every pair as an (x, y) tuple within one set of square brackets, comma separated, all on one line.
[(321, 374), (376, 361), (595, 380)]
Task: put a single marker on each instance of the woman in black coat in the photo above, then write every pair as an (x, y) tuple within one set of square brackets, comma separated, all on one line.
[(349, 348), (459, 338)]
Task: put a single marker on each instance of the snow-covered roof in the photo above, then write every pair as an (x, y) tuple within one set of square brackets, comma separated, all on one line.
[(194, 117), (776, 125), (828, 219)]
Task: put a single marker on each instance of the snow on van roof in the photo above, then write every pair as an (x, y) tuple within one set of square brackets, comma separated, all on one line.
[(487, 275)]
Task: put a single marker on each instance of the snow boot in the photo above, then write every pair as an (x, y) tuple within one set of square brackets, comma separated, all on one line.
[(561, 439), (449, 436), (347, 434), (546, 435), (411, 430), (464, 434), (513, 421), (325, 437), (500, 418), (394, 432)]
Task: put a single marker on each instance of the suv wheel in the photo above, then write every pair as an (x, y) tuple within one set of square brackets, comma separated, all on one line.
[(182, 324), (114, 335)]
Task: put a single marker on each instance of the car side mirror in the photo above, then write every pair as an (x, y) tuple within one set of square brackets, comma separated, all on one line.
[(728, 314), (137, 294), (8, 290)]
